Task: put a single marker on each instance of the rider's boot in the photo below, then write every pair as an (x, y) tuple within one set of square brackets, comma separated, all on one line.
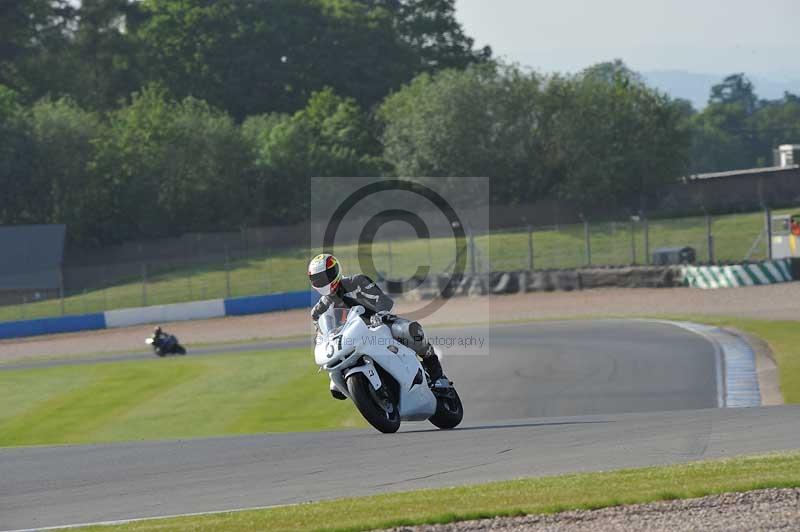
[(433, 366), (335, 393)]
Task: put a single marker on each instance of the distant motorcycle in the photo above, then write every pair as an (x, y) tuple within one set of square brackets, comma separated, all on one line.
[(165, 345)]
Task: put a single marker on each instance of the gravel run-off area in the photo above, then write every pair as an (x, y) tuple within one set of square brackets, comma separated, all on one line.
[(768, 509), (781, 301)]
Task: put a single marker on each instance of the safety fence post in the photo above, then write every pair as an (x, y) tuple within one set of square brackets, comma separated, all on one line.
[(587, 239), (430, 256), (389, 255), (530, 248), (227, 273), (472, 267), (144, 284), (269, 269), (633, 239), (105, 287), (61, 287), (768, 227), (710, 238)]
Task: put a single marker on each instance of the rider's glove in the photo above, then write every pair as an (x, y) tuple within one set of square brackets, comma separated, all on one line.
[(322, 305), (378, 317)]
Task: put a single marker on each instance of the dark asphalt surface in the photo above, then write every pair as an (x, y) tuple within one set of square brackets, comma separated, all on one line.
[(583, 372), (576, 368)]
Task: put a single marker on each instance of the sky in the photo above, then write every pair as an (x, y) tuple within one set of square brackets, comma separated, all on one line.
[(703, 36)]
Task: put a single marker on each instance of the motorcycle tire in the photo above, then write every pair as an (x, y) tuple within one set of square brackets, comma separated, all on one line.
[(160, 353), (449, 410), (363, 395), (180, 349)]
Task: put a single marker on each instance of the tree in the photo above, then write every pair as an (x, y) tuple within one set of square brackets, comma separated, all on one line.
[(735, 89), (723, 134), (776, 122), (330, 137), (256, 57), (611, 71), (431, 28), (613, 144), (64, 135), (19, 202), (484, 121), (104, 53), (270, 56), (26, 28), (171, 167)]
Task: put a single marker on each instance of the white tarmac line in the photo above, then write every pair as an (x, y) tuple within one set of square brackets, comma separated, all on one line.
[(139, 519)]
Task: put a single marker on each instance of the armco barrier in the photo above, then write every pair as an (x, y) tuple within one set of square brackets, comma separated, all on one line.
[(240, 306), (63, 324), (731, 276), (195, 310)]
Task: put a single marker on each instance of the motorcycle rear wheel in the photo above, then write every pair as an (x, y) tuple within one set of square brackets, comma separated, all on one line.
[(449, 410), (384, 417)]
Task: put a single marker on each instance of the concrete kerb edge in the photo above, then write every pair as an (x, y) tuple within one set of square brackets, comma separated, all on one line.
[(738, 379), (766, 367)]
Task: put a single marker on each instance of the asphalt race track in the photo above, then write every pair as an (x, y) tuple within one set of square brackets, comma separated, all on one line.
[(561, 389)]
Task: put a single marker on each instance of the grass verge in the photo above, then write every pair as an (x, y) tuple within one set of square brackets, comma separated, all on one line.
[(174, 397), (510, 498)]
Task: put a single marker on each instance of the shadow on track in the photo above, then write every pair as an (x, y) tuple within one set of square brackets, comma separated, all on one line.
[(506, 426)]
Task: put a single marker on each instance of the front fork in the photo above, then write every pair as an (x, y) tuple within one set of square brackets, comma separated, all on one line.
[(367, 367)]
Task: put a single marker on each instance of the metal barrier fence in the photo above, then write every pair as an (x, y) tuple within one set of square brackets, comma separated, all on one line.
[(103, 287)]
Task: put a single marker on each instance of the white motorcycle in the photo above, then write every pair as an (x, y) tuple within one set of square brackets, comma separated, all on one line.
[(380, 375)]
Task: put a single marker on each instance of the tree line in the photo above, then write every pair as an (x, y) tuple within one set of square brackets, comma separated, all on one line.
[(128, 120)]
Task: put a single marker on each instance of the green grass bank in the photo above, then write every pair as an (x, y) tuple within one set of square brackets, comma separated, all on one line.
[(512, 498), (174, 397)]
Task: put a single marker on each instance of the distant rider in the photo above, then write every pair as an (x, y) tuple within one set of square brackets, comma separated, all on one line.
[(159, 336), (346, 292), (165, 343)]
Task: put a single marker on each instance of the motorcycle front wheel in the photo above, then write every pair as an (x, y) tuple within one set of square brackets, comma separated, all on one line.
[(380, 412)]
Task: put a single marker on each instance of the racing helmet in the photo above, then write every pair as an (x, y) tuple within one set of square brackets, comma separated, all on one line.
[(324, 273)]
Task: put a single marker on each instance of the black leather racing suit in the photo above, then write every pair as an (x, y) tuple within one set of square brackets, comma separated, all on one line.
[(361, 290)]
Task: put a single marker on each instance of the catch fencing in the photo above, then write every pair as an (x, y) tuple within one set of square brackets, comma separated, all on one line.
[(256, 268)]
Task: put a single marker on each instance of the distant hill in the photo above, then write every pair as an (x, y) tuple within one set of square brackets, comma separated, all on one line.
[(696, 87)]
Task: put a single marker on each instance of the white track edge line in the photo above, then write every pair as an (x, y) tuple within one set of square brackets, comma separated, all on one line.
[(151, 518)]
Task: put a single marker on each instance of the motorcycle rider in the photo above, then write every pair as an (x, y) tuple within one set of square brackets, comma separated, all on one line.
[(162, 339), (345, 292), (158, 335)]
